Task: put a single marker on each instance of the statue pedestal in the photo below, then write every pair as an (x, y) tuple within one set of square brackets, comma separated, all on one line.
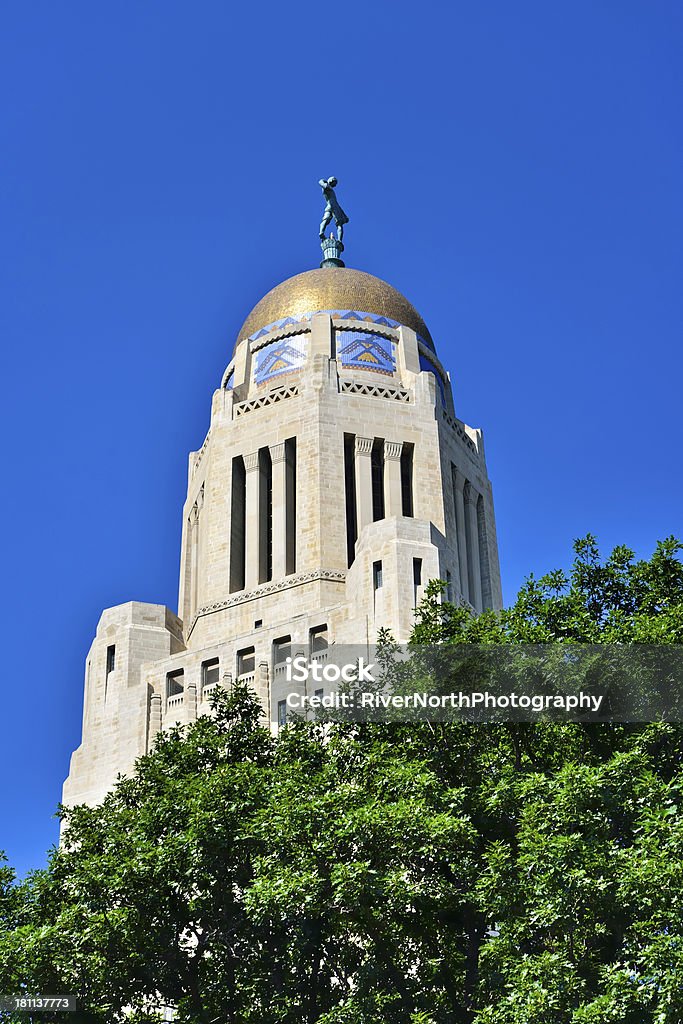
[(332, 249)]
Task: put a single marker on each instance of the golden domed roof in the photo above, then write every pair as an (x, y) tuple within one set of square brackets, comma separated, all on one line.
[(333, 288)]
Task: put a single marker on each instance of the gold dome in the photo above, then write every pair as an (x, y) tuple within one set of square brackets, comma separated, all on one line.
[(337, 288)]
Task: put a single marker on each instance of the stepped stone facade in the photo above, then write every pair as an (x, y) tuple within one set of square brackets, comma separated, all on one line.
[(334, 482)]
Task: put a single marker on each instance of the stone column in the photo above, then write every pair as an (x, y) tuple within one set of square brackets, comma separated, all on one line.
[(393, 497), (200, 563), (251, 524), (154, 718), (194, 557), (277, 455), (484, 559), (363, 464), (470, 497), (190, 702), (408, 352), (461, 533), (262, 682), (321, 335)]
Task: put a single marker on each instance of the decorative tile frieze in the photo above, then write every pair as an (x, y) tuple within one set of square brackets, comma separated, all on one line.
[(280, 356), (362, 350), (341, 314)]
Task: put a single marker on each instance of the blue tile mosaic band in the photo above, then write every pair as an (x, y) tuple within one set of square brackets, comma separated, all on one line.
[(340, 314), (280, 356), (428, 365), (361, 350), (286, 321)]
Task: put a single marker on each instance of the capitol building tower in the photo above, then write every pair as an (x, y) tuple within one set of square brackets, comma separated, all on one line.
[(334, 482)]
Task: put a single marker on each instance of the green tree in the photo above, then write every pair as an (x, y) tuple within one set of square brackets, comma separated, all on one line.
[(409, 874)]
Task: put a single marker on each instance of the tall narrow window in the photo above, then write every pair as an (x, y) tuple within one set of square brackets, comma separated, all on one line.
[(454, 500), (472, 566), (265, 513), (407, 479), (290, 505), (88, 696), (350, 497), (281, 713), (417, 578), (377, 578), (238, 503), (111, 659), (460, 532), (377, 466)]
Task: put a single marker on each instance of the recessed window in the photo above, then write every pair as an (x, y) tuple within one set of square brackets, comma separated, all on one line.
[(407, 479), (282, 713), (350, 497), (111, 658), (246, 661), (210, 672), (175, 683), (377, 579), (377, 471), (417, 572), (258, 623), (318, 639), (319, 693), (290, 506), (238, 504), (265, 515), (282, 649)]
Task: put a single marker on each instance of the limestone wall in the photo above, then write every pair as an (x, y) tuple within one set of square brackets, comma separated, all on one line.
[(310, 440)]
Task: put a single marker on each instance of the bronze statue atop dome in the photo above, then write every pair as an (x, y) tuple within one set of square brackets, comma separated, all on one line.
[(333, 209)]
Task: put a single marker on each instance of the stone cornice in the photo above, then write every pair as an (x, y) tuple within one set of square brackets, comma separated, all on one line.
[(365, 327), (265, 589), (278, 334), (458, 429)]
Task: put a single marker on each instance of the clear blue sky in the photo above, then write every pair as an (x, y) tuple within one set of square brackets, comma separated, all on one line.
[(515, 169)]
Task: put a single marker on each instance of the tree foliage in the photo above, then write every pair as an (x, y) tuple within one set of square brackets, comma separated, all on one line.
[(407, 874)]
